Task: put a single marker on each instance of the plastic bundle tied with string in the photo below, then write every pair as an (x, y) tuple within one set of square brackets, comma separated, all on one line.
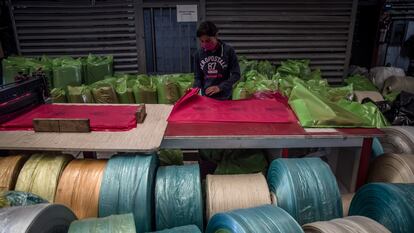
[(230, 192), (306, 188), (41, 218), (391, 205), (392, 168), (40, 174), (128, 187), (178, 200), (17, 198), (123, 223), (79, 187), (182, 229), (10, 167), (352, 224), (262, 219)]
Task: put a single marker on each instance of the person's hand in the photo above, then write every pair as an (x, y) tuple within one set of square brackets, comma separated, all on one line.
[(212, 90)]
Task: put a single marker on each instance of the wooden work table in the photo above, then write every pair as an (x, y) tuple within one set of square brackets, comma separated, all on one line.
[(146, 137)]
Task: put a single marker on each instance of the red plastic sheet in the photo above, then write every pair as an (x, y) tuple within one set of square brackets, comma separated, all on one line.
[(193, 108), (102, 117)]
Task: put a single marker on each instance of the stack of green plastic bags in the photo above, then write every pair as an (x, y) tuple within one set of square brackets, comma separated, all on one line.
[(256, 76), (317, 104)]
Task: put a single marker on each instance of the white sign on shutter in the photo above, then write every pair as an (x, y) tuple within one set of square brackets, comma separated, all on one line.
[(186, 13)]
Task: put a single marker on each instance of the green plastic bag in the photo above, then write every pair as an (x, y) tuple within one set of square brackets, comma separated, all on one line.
[(167, 90), (104, 92), (80, 94), (265, 85), (12, 66), (58, 95), (171, 157), (316, 110), (298, 68), (67, 71), (241, 92), (361, 83), (145, 91), (236, 161), (124, 90), (254, 75), (246, 66), (266, 68), (97, 67), (43, 65)]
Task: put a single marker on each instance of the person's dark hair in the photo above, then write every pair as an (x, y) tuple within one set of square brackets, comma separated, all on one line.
[(207, 28)]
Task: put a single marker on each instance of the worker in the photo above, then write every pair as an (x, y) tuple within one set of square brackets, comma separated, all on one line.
[(216, 66)]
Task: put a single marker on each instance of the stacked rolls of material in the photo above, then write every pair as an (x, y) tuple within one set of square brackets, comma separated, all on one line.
[(229, 192), (16, 198), (375, 96), (10, 167), (40, 174), (182, 229), (389, 204), (79, 187), (262, 219), (398, 140), (128, 187), (178, 198), (123, 223), (392, 168), (306, 189), (349, 224), (41, 218), (346, 202)]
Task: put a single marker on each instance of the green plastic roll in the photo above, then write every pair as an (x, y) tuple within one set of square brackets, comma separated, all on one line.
[(123, 223), (16, 198), (306, 188), (40, 174), (66, 71), (389, 204), (12, 66), (145, 91), (124, 90), (183, 229), (262, 219), (58, 95), (80, 94), (128, 187), (178, 191)]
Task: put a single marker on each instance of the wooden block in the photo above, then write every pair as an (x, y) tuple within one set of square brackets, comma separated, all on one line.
[(45, 125), (74, 125), (61, 125), (141, 114)]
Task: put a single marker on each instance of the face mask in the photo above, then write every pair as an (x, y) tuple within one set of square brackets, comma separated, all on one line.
[(208, 46)]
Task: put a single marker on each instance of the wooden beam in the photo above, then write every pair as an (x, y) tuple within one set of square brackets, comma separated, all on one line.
[(60, 125)]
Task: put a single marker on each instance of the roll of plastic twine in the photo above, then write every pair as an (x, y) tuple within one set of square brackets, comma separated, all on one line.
[(389, 204), (128, 187), (10, 167), (262, 219), (79, 187), (392, 168), (349, 224), (40, 174), (398, 140), (229, 192), (182, 229), (41, 218), (346, 202), (178, 191), (123, 223), (306, 188)]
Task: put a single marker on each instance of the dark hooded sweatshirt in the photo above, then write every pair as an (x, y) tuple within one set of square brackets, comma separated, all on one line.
[(217, 68)]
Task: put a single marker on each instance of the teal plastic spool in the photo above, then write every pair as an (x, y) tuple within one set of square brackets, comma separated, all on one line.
[(178, 198), (183, 229), (262, 219), (128, 187), (389, 204), (306, 188), (377, 149), (123, 223)]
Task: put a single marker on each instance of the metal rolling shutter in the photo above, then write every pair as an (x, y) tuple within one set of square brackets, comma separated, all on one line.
[(402, 9), (296, 29), (77, 28)]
